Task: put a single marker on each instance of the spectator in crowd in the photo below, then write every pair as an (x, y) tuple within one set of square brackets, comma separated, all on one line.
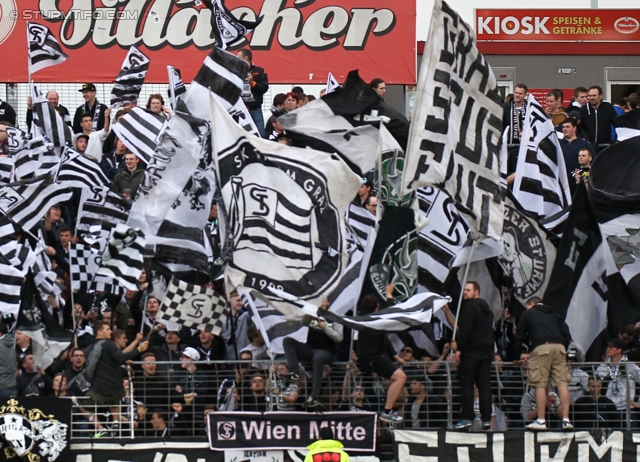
[(4, 140), (595, 410), (113, 161), (50, 227), (571, 145), (156, 105), (302, 99), (474, 355), (580, 98), (127, 181), (7, 113), (529, 405), (33, 381), (319, 349), (597, 117), (54, 99), (285, 388), (190, 384), (211, 347), (7, 363), (243, 371), (425, 410), (356, 401), (159, 424), (364, 192), (91, 106), (554, 108), (277, 109), (255, 86), (579, 378), (585, 157), (290, 102), (326, 448), (371, 204), (278, 129), (620, 377), (514, 113), (376, 354), (59, 385), (620, 106), (110, 142), (80, 142), (234, 331), (379, 87), (256, 400), (257, 347), (151, 385), (96, 138), (550, 339), (23, 344), (171, 350), (627, 335), (77, 383)]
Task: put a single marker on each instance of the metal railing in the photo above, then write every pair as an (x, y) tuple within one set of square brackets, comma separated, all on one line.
[(180, 397)]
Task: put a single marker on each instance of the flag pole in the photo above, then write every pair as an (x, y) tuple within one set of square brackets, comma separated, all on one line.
[(464, 282)]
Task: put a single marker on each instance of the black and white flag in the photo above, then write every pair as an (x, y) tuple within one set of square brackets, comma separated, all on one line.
[(140, 131), (193, 306), (222, 74), (577, 286), (615, 197), (84, 262), (101, 209), (10, 290), (6, 169), (227, 29), (44, 49), (456, 131), (16, 139), (26, 202), (35, 159), (541, 184), (627, 125), (285, 208), (528, 254), (79, 171), (126, 89), (414, 312), (49, 122), (183, 145), (361, 222), (332, 83), (124, 257), (176, 86)]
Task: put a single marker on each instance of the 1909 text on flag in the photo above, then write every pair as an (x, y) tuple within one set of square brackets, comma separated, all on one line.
[(456, 131)]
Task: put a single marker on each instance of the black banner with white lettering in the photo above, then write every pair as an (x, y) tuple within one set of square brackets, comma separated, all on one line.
[(289, 430)]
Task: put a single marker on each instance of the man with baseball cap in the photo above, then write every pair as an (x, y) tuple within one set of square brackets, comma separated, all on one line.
[(550, 338), (91, 106), (619, 376)]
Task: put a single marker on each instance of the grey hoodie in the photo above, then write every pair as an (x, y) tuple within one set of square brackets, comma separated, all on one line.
[(7, 362)]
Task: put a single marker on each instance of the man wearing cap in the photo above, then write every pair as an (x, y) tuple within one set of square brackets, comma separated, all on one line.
[(550, 338), (326, 448), (620, 377), (364, 192), (91, 106)]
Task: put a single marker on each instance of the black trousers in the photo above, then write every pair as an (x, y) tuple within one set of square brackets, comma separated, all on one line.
[(475, 369)]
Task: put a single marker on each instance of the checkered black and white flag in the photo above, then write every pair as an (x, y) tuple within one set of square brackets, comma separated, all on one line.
[(26, 202), (80, 171), (44, 48), (193, 306), (49, 122), (541, 184), (84, 262), (455, 139), (140, 130), (124, 257), (129, 82)]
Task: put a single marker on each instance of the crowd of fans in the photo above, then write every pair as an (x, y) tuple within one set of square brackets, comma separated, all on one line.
[(125, 366)]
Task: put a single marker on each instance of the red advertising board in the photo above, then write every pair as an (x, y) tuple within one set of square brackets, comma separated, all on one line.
[(595, 25), (296, 42)]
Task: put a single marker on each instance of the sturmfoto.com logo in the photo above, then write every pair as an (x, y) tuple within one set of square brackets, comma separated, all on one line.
[(8, 18)]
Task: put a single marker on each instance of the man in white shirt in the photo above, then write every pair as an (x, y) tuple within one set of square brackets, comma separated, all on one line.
[(96, 139)]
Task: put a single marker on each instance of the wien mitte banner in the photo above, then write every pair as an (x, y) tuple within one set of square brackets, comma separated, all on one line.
[(296, 42)]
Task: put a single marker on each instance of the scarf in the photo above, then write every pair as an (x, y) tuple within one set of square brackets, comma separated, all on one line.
[(96, 114)]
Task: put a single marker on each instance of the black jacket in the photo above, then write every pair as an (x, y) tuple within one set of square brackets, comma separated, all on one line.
[(541, 323), (258, 90), (475, 327), (597, 122), (77, 128), (107, 378), (7, 113)]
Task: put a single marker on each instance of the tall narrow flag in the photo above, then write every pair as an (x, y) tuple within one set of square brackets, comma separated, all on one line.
[(47, 119), (126, 89), (227, 29), (44, 48), (456, 131), (176, 86)]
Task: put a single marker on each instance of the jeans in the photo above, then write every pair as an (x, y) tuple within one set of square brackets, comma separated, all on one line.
[(475, 369), (295, 351), (258, 118)]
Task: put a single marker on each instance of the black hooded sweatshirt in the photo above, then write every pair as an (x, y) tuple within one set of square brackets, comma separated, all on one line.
[(542, 323)]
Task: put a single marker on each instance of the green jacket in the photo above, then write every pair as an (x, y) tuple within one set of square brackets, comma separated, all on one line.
[(326, 451)]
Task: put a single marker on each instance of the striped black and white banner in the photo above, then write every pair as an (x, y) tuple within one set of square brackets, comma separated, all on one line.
[(10, 290), (415, 312), (140, 130), (26, 202), (79, 171), (43, 276), (124, 257), (541, 184), (6, 169), (361, 222), (101, 209), (35, 159), (47, 119), (126, 89), (44, 48), (176, 86)]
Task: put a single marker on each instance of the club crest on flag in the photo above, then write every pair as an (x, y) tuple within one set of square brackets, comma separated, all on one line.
[(524, 256)]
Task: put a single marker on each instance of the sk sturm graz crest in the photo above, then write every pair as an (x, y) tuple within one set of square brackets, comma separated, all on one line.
[(284, 228), (625, 249), (31, 434)]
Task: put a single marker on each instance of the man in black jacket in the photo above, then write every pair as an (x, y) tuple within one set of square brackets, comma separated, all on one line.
[(91, 106), (550, 338), (255, 86), (474, 355), (597, 117)]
